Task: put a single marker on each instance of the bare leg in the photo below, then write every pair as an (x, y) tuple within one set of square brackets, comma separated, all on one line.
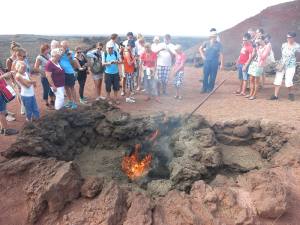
[(124, 85), (256, 86), (73, 94), (3, 123), (68, 92), (243, 87), (97, 91), (252, 81), (277, 88)]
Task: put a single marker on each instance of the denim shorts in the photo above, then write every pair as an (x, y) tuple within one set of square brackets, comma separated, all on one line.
[(2, 104), (69, 80), (242, 75)]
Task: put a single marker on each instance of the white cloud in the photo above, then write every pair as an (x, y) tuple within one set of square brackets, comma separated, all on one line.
[(185, 17)]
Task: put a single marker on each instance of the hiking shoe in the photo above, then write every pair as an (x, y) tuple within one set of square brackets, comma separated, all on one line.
[(82, 101), (129, 100), (74, 105), (68, 105), (273, 97), (10, 118), (291, 97), (9, 132)]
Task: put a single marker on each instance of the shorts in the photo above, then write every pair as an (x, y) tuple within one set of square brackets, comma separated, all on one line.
[(243, 75), (69, 80), (163, 73), (129, 81), (288, 74), (98, 76), (255, 70), (2, 104), (112, 80), (178, 80)]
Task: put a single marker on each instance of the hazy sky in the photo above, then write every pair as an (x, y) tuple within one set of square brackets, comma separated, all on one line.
[(157, 17)]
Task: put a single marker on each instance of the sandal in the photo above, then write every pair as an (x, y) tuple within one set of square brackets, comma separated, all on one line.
[(241, 94), (252, 98)]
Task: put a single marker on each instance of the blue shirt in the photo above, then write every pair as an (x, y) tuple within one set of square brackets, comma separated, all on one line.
[(113, 68), (212, 51), (65, 63)]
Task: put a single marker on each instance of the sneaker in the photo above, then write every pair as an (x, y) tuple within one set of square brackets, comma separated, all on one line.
[(273, 97), (8, 132), (10, 113), (85, 98), (10, 118), (68, 104), (291, 97), (252, 98), (122, 93), (74, 105), (131, 97), (82, 101), (129, 100)]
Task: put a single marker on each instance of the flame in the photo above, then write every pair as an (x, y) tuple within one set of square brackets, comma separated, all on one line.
[(133, 167)]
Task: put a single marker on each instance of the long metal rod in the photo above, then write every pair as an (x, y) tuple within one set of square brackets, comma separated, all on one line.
[(205, 99)]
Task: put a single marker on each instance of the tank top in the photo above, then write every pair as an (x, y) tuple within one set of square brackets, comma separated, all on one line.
[(25, 91)]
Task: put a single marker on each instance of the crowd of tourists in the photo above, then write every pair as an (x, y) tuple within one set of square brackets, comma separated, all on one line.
[(133, 66)]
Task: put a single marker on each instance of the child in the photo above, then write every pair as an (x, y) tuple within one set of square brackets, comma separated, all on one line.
[(178, 71), (243, 64), (129, 63), (27, 87)]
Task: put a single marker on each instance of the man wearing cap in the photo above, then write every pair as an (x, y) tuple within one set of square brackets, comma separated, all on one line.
[(287, 66), (111, 60), (211, 53)]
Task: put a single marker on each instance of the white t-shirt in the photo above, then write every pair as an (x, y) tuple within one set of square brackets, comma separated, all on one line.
[(25, 91), (164, 57), (140, 48)]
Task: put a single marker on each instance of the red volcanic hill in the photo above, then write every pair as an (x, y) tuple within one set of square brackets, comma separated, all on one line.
[(276, 20)]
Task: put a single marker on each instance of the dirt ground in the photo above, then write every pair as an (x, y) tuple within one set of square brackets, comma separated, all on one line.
[(223, 105)]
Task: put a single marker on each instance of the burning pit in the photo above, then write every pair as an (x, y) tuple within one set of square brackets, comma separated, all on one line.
[(83, 151)]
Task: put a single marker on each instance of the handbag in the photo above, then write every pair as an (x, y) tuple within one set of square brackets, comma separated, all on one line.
[(7, 91)]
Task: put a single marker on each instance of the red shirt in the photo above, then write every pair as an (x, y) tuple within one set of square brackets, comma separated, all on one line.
[(149, 59), (128, 58), (246, 50)]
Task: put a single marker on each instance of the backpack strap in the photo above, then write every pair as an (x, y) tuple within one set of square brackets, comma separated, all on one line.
[(105, 55)]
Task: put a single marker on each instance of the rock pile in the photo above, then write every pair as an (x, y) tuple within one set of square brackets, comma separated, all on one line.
[(201, 172)]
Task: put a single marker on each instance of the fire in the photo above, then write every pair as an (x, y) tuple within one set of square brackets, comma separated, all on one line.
[(133, 167)]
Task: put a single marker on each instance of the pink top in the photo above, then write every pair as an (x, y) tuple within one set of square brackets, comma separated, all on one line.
[(179, 63), (263, 53)]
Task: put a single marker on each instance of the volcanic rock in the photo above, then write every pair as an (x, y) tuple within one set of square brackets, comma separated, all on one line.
[(92, 186), (159, 187), (267, 192)]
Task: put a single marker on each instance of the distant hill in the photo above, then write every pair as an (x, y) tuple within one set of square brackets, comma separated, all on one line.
[(276, 20)]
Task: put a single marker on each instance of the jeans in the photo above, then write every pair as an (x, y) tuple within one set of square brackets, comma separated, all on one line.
[(210, 70), (46, 88), (81, 80), (31, 107)]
